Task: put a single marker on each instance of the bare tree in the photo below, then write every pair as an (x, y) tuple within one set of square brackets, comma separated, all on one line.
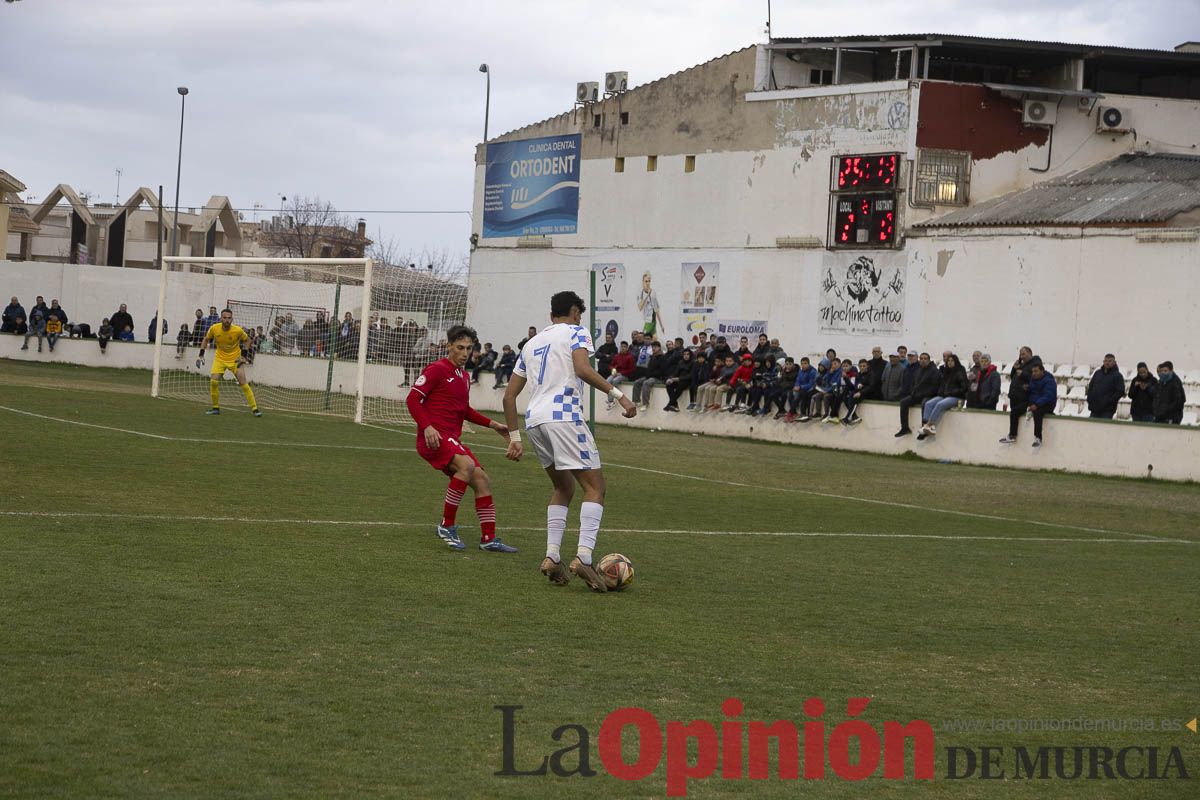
[(438, 264), (313, 228)]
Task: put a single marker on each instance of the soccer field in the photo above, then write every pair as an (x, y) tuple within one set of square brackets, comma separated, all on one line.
[(239, 607)]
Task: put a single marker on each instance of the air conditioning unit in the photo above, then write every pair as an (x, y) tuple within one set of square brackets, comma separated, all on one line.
[(587, 92), (616, 82), (1039, 112), (1113, 120)]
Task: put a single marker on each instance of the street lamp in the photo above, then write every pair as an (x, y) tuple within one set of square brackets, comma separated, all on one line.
[(488, 98), (178, 169)]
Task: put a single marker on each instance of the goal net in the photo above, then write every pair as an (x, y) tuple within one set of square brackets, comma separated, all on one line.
[(329, 336)]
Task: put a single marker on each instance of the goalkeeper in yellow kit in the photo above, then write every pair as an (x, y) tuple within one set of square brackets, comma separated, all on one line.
[(228, 339)]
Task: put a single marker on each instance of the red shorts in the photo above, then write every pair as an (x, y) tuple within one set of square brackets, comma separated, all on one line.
[(440, 459)]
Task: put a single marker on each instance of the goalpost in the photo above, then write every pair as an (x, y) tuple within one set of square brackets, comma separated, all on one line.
[(344, 337)]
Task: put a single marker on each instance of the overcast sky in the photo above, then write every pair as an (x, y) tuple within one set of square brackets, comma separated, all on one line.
[(377, 106)]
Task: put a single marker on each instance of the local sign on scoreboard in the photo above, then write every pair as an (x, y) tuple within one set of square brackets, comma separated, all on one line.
[(531, 187)]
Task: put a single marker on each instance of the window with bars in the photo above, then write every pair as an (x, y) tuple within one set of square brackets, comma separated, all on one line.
[(943, 178)]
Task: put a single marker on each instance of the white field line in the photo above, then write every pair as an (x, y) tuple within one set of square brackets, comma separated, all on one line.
[(404, 524), (635, 468)]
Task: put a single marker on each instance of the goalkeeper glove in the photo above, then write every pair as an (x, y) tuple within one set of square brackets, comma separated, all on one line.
[(200, 361)]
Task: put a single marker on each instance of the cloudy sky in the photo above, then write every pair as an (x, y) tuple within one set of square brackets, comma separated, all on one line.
[(376, 106)]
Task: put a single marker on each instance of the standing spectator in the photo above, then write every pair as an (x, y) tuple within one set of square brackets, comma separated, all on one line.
[(873, 390), (1142, 390), (504, 367), (762, 349), (1040, 400), (651, 374), (1105, 389), (289, 333), (679, 379), (320, 331), (182, 339), (893, 379), (105, 334), (925, 384), (12, 312), (487, 362), (1170, 399), (777, 351), (532, 333), (604, 355), (719, 350), (802, 391), (54, 329), (952, 390), (198, 328), (41, 306), (1018, 380), (122, 320), (58, 310), (346, 335), (743, 350), (152, 334), (213, 318), (985, 388), (37, 325)]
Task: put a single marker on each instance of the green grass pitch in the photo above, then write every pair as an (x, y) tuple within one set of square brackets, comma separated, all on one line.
[(238, 607)]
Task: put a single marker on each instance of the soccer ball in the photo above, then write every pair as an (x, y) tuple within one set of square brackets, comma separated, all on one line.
[(618, 570)]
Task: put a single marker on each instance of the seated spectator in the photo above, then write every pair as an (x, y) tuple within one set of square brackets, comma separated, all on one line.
[(700, 374), (127, 334), (1042, 397), (984, 391), (54, 330), (893, 378), (487, 362), (1105, 389), (858, 389), (712, 393), (152, 333), (830, 388), (182, 340), (1170, 398), (952, 390), (105, 334), (37, 326), (743, 350), (802, 391), (925, 383), (1019, 376), (504, 367), (20, 328), (12, 311), (622, 367), (762, 384), (679, 379), (651, 374), (784, 382), (910, 373), (1142, 391), (873, 390), (739, 384), (604, 355), (778, 352), (122, 319)]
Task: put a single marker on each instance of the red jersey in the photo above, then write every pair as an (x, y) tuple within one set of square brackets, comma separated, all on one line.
[(441, 397)]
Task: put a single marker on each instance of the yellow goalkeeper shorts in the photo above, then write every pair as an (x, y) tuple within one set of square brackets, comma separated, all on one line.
[(219, 366)]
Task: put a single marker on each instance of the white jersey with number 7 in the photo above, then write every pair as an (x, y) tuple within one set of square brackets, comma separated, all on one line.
[(546, 362)]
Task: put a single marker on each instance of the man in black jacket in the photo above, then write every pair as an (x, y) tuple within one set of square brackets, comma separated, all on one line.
[(604, 355), (1019, 377), (1169, 402), (1105, 389), (122, 319), (12, 312), (653, 374), (873, 390), (924, 386), (1142, 390)]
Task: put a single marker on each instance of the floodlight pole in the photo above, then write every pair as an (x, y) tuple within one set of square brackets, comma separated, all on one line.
[(487, 99), (183, 90)]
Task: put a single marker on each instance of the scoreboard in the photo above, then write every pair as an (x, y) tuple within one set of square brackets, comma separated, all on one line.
[(863, 213)]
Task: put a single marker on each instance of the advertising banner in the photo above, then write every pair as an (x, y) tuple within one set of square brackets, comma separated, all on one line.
[(698, 297), (610, 294), (860, 295), (531, 187), (735, 329)]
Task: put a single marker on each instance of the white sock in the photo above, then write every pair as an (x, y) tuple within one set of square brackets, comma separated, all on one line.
[(589, 527), (556, 523)]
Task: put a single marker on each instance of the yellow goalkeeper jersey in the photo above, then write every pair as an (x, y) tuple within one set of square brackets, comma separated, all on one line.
[(228, 342)]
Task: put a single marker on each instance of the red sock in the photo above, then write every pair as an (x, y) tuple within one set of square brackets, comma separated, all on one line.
[(454, 496), (486, 510)]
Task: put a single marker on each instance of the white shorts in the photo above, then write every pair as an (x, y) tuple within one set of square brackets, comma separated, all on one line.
[(564, 446)]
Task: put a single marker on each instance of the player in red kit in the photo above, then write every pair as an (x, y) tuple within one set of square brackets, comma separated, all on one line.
[(439, 402)]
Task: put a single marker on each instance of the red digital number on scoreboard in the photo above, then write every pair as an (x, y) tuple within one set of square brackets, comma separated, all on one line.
[(867, 172)]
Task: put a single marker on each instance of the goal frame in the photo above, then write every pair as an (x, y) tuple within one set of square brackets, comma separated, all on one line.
[(366, 263)]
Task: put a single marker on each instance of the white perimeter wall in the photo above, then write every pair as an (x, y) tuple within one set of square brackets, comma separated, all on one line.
[(1077, 445)]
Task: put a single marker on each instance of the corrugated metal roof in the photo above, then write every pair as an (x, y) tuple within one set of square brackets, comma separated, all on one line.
[(1133, 188), (1089, 50)]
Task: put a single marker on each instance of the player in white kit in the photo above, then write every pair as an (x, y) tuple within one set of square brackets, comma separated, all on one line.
[(555, 364)]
